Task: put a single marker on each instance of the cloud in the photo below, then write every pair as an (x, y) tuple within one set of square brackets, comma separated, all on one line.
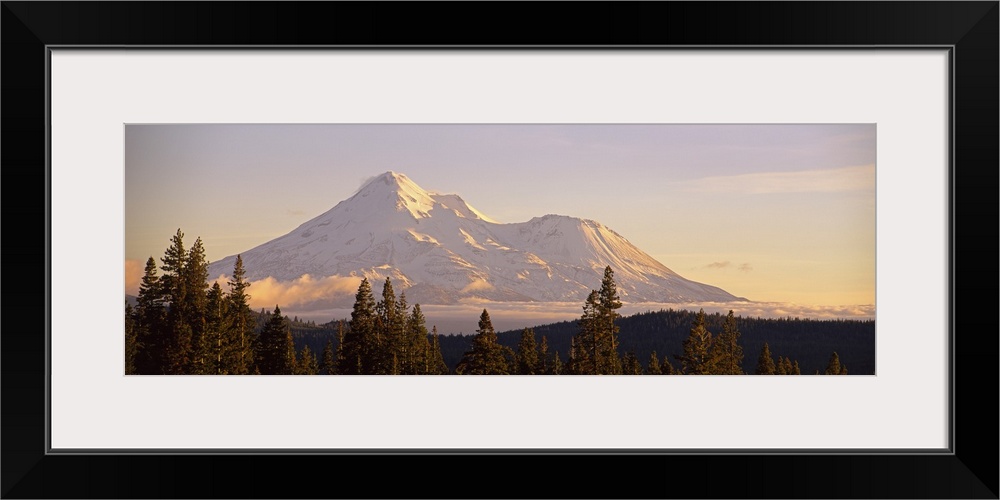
[(477, 285), (134, 270), (331, 298), (364, 182), (744, 267), (504, 316), (766, 309), (303, 293), (464, 317), (833, 180), (295, 212)]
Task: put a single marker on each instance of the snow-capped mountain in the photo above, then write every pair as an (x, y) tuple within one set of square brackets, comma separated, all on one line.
[(440, 250)]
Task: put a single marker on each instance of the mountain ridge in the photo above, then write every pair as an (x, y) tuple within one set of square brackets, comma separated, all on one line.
[(440, 250)]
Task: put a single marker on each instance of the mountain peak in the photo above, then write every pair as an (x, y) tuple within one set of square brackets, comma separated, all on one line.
[(396, 190), (391, 181), (391, 175), (392, 185), (442, 251)]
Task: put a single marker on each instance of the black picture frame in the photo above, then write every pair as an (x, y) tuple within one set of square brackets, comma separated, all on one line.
[(970, 29)]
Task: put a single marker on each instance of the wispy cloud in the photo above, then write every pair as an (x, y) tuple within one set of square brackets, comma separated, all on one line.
[(725, 264), (364, 182), (833, 180)]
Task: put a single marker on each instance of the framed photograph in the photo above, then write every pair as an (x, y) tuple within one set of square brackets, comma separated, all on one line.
[(819, 162)]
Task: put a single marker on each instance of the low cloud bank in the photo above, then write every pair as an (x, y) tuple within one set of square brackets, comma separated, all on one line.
[(765, 309), (464, 318), (332, 297), (305, 293)]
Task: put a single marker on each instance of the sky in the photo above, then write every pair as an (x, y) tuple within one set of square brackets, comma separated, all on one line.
[(775, 213)]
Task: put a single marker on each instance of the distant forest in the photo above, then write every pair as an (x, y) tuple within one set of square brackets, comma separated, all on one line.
[(181, 325)]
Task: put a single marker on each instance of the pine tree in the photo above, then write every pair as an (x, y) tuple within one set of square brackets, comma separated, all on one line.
[(727, 354), (388, 336), (361, 345), (486, 356), (666, 368), (833, 367), (697, 347), (527, 353), (765, 363), (437, 364), (843, 370), (328, 366), (789, 367), (179, 349), (195, 278), (174, 289), (630, 364), (417, 343), (588, 359), (544, 365), (511, 359), (291, 362), (215, 342), (131, 340), (653, 367), (608, 304), (402, 338), (573, 365), (556, 366), (173, 284), (276, 351), (780, 368), (426, 362), (306, 364), (239, 356), (151, 316), (340, 359), (795, 368)]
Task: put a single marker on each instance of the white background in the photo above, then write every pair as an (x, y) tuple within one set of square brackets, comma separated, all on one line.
[(94, 93)]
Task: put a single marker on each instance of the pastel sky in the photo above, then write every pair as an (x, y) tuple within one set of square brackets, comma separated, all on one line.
[(774, 213)]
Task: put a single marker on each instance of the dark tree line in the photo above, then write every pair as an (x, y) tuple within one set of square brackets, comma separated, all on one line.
[(594, 349), (387, 338), (808, 341), (181, 325)]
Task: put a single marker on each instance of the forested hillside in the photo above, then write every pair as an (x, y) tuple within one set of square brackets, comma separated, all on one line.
[(179, 325)]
